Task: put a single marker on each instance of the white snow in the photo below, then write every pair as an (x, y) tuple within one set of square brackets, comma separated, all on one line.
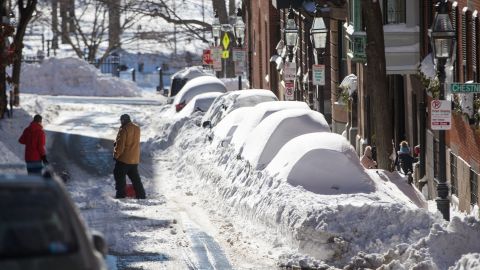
[(72, 76), (225, 129), (259, 218), (233, 100), (200, 102), (190, 73), (276, 130), (258, 113), (322, 163), (199, 85)]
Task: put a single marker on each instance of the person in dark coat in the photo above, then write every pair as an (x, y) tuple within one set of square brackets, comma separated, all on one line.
[(405, 158), (33, 137), (126, 154)]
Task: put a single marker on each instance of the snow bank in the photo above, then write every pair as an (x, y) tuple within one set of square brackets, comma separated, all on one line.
[(323, 163), (233, 100), (72, 76), (258, 113), (224, 130), (276, 130), (190, 73)]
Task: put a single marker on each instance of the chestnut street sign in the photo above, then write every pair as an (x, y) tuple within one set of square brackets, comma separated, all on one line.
[(465, 87)]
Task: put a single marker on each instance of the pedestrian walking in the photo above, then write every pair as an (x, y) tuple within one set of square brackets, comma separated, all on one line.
[(33, 137), (405, 158), (367, 159), (126, 154)]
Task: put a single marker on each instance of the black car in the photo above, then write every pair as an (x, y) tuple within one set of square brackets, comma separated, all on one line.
[(41, 228)]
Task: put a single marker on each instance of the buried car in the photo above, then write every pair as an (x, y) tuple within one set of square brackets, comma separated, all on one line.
[(199, 103), (42, 229), (233, 100), (265, 140), (197, 86), (259, 112), (323, 163)]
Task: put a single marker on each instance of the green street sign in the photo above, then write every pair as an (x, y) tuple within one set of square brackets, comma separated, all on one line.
[(465, 88)]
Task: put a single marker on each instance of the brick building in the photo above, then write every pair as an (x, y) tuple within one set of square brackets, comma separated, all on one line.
[(346, 97)]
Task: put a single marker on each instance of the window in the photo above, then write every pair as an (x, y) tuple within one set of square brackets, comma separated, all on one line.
[(473, 187), (394, 11), (453, 174)]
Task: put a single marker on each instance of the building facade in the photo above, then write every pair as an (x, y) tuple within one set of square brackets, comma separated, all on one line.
[(346, 98)]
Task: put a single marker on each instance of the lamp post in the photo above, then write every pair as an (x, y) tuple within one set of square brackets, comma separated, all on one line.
[(291, 33), (216, 28), (49, 37), (318, 35), (443, 44), (239, 28)]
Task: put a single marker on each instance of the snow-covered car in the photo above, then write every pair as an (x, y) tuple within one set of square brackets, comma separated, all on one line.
[(181, 77), (41, 227), (233, 100), (265, 140), (199, 103), (323, 163), (224, 130), (197, 86), (259, 112)]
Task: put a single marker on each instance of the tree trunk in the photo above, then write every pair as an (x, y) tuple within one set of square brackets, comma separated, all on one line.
[(55, 23), (71, 16), (64, 17), (25, 16), (3, 88), (377, 78), (221, 8), (231, 8), (114, 24)]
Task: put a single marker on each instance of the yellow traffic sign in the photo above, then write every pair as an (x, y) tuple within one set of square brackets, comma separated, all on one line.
[(226, 41), (225, 54)]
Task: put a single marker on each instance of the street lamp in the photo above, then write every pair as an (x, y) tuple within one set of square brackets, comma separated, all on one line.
[(443, 44), (318, 36), (239, 28), (216, 27), (291, 33), (49, 37)]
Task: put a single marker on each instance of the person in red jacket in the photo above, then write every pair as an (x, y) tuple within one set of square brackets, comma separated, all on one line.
[(33, 137)]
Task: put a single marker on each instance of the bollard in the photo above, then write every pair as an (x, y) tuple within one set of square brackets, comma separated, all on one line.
[(133, 75)]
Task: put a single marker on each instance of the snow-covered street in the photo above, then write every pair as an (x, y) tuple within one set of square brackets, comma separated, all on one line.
[(205, 209)]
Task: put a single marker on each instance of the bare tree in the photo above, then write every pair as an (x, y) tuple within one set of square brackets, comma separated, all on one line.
[(25, 11), (377, 81)]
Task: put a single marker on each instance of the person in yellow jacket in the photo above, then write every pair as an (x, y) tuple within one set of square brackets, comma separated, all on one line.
[(126, 153)]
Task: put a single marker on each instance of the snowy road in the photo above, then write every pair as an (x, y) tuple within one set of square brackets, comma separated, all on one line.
[(150, 234)]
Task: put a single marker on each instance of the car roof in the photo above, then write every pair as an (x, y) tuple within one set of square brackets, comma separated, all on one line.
[(198, 86), (21, 180)]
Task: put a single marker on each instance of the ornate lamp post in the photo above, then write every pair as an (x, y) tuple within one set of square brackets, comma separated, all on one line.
[(239, 28), (291, 33), (216, 28), (318, 35), (443, 44)]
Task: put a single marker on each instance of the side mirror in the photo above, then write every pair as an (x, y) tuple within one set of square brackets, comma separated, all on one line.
[(100, 243), (207, 124)]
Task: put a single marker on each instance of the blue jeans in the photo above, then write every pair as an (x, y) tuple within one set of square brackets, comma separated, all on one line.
[(34, 167)]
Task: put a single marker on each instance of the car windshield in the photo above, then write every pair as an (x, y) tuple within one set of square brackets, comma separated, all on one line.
[(33, 222)]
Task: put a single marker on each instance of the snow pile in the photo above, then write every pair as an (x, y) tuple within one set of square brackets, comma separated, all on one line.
[(232, 83), (276, 130), (258, 113), (349, 229), (200, 103), (323, 163), (224, 130), (72, 76)]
